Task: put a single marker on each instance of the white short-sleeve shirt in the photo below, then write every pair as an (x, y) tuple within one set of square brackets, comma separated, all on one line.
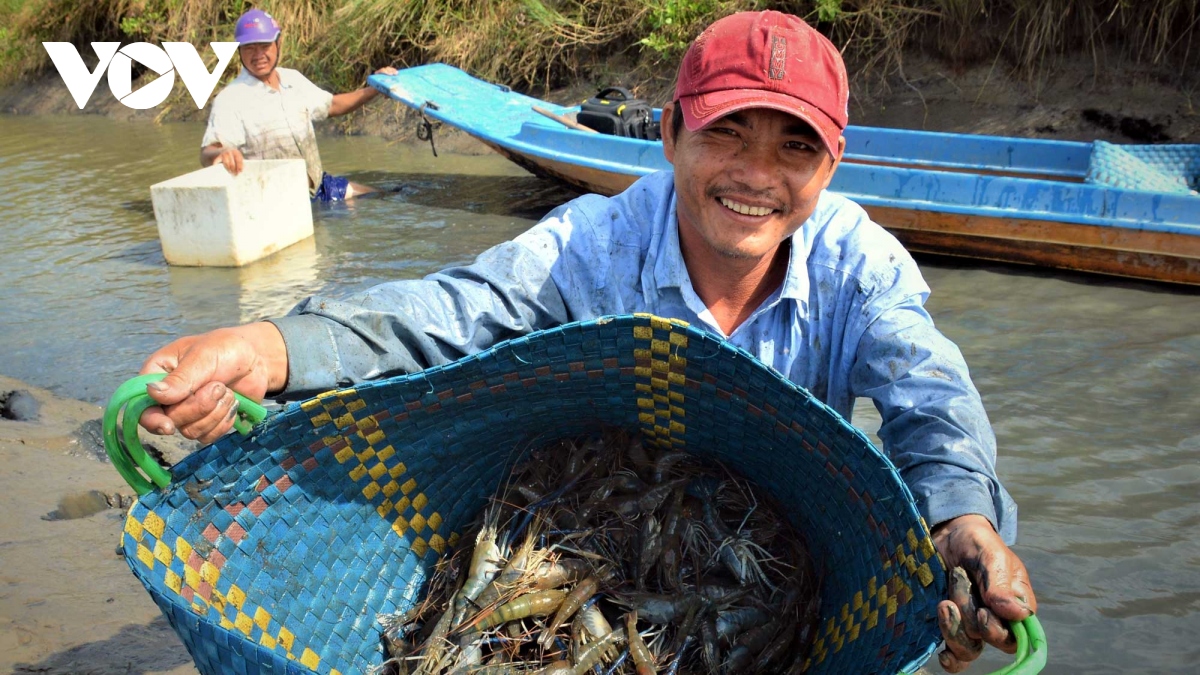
[(265, 123)]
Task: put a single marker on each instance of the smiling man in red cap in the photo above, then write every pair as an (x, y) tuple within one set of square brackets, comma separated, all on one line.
[(755, 134), (742, 240)]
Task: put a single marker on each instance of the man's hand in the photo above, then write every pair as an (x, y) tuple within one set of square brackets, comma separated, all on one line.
[(232, 159), (204, 370), (988, 588), (386, 70)]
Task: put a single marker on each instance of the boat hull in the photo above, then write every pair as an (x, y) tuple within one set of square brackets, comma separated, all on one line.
[(586, 179), (1005, 199), (1153, 256)]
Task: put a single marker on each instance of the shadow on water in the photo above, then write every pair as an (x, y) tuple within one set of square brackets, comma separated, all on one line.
[(148, 253), (143, 207), (134, 650), (526, 197)]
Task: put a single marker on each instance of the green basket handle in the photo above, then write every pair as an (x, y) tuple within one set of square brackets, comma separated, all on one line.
[(121, 440), (1031, 648)]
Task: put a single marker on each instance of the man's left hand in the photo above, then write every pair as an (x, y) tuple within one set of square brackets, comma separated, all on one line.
[(991, 589), (386, 70)]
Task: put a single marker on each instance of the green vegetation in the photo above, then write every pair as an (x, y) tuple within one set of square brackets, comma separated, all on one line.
[(540, 44)]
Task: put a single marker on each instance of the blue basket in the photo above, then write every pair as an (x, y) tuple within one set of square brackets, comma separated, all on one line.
[(275, 552)]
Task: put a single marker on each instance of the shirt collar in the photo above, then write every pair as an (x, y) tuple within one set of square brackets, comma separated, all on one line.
[(245, 77), (795, 282), (670, 271)]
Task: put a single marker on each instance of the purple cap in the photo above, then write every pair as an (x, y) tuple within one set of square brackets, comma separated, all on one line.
[(256, 26)]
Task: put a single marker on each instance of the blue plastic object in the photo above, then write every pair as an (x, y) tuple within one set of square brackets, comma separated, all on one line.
[(256, 26), (1173, 169)]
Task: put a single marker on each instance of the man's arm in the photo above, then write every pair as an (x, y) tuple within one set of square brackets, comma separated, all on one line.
[(934, 426), (353, 100), (938, 435), (394, 328), (223, 135), (230, 157), (209, 154), (407, 326)]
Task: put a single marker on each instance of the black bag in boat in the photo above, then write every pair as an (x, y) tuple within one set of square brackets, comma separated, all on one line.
[(614, 111)]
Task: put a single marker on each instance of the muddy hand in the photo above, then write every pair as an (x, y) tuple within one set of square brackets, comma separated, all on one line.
[(196, 396), (989, 587), (958, 620)]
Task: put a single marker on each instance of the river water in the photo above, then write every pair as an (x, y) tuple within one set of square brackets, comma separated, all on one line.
[(1090, 382)]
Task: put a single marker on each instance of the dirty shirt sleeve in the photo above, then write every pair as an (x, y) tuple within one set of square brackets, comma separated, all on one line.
[(224, 125), (934, 426), (407, 326), (399, 327), (317, 99)]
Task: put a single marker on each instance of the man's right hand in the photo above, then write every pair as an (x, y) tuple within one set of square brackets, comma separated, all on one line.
[(232, 159), (196, 396)]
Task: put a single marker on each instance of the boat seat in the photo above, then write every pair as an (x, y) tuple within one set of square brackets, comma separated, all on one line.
[(1171, 169)]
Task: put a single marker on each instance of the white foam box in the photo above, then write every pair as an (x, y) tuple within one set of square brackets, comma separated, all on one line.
[(210, 217)]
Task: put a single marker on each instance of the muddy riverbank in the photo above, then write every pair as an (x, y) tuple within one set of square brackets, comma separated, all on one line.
[(1078, 99), (68, 602)]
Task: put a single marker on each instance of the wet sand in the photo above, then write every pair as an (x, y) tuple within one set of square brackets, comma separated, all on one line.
[(68, 602)]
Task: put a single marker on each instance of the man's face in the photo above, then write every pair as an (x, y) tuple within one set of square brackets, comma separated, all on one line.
[(747, 181), (260, 58)]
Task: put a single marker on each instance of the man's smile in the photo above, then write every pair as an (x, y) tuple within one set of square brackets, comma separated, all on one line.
[(745, 209)]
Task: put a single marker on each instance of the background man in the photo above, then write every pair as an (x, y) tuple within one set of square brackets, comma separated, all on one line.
[(268, 112), (741, 239)]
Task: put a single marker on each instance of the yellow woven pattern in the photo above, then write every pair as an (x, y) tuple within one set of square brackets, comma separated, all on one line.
[(660, 373), (152, 552), (878, 602), (394, 498)]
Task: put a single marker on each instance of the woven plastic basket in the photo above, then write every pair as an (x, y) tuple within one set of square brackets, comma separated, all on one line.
[(275, 552)]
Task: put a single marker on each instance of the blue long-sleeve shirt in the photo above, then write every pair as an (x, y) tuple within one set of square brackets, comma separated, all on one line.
[(848, 321)]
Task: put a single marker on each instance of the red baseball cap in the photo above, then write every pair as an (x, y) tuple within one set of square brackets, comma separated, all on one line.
[(764, 60)]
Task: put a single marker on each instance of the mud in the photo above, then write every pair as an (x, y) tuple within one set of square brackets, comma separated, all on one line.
[(19, 405), (68, 602), (1123, 103)]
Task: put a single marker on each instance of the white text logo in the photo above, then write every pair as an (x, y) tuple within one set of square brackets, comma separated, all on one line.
[(172, 57)]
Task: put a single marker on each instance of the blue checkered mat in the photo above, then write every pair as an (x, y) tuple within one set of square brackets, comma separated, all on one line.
[(275, 552), (1172, 169)]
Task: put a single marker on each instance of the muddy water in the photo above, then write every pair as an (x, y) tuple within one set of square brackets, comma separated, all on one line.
[(88, 294), (1090, 383)]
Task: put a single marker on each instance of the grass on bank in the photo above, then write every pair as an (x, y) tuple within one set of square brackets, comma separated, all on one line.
[(540, 44)]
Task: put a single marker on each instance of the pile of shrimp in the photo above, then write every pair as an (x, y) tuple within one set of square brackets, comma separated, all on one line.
[(601, 555)]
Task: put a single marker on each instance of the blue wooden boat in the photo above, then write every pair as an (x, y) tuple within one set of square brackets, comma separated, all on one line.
[(1095, 207)]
